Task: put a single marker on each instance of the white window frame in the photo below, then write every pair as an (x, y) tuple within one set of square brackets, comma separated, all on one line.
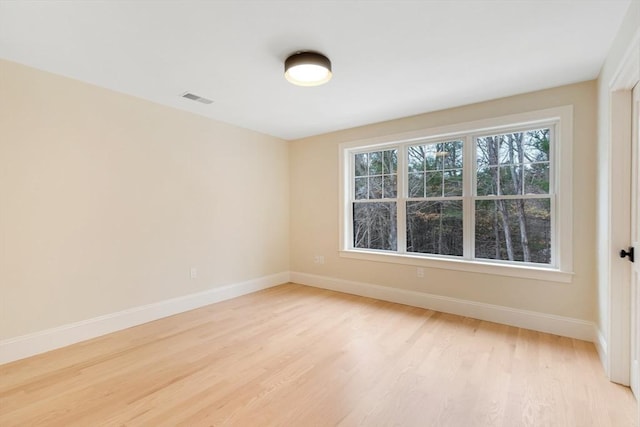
[(561, 177)]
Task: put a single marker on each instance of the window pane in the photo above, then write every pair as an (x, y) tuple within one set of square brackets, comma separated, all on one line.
[(433, 184), (361, 188), (374, 226), (453, 182), (508, 154), (416, 184), (487, 180), (433, 157), (390, 161), (536, 178), (536, 145), (487, 151), (452, 157), (390, 186), (375, 187), (500, 149), (435, 227), (416, 158), (361, 164), (510, 180), (375, 163), (514, 230)]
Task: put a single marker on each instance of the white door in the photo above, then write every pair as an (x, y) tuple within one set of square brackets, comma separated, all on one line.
[(635, 238)]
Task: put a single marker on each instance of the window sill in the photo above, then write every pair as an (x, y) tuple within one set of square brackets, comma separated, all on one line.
[(519, 271)]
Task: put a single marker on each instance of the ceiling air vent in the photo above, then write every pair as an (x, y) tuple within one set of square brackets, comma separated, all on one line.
[(194, 97)]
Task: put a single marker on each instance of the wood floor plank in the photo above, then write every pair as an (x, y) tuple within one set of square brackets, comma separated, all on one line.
[(299, 356)]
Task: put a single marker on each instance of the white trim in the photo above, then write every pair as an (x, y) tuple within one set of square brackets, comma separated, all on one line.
[(29, 345), (634, 326), (542, 322), (526, 271), (618, 361), (628, 72), (601, 345), (494, 124)]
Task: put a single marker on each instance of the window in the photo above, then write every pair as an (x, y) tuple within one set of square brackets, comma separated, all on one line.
[(512, 200), (375, 192), (434, 200), (485, 196)]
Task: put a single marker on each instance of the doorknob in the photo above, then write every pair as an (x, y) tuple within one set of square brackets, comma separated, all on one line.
[(629, 254)]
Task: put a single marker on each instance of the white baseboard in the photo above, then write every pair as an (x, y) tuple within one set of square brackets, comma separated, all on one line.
[(542, 322), (601, 346), (29, 345)]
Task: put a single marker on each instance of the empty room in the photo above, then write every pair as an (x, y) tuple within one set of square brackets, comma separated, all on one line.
[(320, 213)]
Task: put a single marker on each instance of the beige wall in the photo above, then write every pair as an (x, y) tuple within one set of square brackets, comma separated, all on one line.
[(106, 201), (314, 211)]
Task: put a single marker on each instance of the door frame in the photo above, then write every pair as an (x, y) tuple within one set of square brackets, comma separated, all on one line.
[(634, 377), (617, 346)]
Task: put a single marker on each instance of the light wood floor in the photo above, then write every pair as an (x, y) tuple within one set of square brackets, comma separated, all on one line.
[(298, 356)]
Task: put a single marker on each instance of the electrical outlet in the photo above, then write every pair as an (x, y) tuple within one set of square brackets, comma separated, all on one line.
[(194, 273), (318, 259), (420, 272)]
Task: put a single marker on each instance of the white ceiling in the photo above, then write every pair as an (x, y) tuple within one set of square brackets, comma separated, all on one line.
[(390, 58)]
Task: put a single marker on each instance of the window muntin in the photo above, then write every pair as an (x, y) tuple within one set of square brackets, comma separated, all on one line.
[(477, 197)]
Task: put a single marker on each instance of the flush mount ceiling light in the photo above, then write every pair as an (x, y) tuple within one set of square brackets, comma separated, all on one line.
[(307, 69)]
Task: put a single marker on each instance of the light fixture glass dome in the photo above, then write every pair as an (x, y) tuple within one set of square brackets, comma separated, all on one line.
[(307, 69)]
